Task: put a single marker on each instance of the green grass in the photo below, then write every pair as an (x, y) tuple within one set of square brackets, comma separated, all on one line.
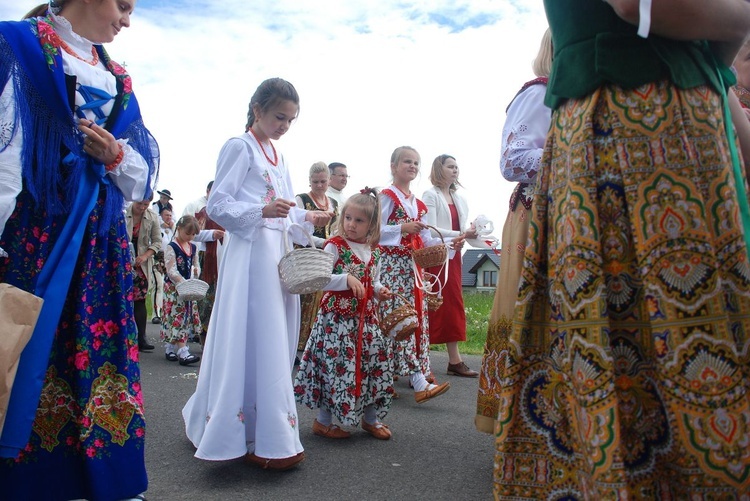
[(477, 306)]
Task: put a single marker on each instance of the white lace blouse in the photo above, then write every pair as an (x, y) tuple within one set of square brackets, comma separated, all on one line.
[(131, 175), (524, 134)]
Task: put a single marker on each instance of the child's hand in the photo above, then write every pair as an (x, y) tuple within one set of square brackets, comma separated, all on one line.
[(356, 286), (383, 294), (278, 208), (218, 235), (412, 228)]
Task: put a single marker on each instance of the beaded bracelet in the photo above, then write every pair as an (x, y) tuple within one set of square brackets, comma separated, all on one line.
[(111, 166)]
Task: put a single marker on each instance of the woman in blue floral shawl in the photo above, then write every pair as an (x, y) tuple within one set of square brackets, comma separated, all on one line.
[(73, 148)]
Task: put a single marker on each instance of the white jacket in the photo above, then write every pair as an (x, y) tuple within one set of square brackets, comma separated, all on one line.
[(439, 215)]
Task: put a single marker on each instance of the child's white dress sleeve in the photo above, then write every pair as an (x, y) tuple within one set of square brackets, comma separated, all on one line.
[(239, 217)]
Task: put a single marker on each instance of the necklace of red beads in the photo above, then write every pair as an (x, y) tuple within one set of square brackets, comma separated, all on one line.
[(273, 162)]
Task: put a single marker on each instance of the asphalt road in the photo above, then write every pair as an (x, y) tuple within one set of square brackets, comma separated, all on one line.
[(435, 452)]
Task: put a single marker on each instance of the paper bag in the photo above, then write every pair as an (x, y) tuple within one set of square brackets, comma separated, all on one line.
[(19, 311)]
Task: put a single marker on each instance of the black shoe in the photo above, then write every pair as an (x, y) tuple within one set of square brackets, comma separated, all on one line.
[(156, 320), (190, 359), (146, 347), (172, 357)]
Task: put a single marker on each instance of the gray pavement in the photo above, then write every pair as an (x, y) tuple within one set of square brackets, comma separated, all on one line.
[(435, 452)]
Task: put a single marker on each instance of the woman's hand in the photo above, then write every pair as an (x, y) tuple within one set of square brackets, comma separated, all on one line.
[(278, 208), (458, 242), (98, 142), (383, 294), (412, 228), (471, 233), (356, 286)]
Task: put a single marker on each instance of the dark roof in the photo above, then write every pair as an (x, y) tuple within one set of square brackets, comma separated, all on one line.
[(472, 260)]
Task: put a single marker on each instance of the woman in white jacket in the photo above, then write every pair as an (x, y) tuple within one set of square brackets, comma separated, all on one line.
[(447, 211)]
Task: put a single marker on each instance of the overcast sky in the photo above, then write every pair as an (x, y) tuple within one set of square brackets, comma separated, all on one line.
[(372, 75)]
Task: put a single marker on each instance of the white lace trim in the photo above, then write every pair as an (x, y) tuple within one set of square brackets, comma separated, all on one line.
[(82, 46)]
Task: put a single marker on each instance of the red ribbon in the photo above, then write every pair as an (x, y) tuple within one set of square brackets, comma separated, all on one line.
[(360, 334), (415, 242)]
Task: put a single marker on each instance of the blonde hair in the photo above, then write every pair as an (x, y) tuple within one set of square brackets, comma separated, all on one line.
[(542, 65), (437, 176), (319, 167), (367, 201), (396, 155)]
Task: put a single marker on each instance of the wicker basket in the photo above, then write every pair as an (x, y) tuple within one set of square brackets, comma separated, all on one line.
[(434, 302), (191, 289), (433, 297), (428, 257), (306, 269), (402, 322)]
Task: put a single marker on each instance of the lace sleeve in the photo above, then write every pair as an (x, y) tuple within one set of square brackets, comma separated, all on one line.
[(131, 174), (241, 218), (10, 157), (170, 263), (524, 134)]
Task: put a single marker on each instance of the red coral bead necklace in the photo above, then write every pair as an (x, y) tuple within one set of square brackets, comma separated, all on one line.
[(273, 162)]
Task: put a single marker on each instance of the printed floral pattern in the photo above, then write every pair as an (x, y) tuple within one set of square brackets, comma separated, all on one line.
[(82, 418), (180, 319), (328, 371), (397, 273)]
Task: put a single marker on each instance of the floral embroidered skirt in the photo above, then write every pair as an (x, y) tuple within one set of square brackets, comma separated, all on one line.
[(327, 372), (180, 320), (515, 233), (625, 375), (88, 435), (413, 354)]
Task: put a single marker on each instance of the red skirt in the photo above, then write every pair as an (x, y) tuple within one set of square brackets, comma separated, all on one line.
[(448, 323)]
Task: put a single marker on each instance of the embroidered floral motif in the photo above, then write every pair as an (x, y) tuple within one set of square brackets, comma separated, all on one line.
[(270, 195), (51, 43), (241, 416), (292, 419)]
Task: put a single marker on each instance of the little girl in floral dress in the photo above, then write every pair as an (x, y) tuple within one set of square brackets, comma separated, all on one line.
[(345, 369), (181, 320)]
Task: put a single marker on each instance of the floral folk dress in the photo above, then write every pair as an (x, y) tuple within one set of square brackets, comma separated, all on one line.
[(346, 363), (309, 302), (413, 354), (181, 320)]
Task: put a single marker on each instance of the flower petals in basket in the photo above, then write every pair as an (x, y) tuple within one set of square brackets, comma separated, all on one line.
[(191, 289), (306, 269), (402, 322), (428, 257)]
